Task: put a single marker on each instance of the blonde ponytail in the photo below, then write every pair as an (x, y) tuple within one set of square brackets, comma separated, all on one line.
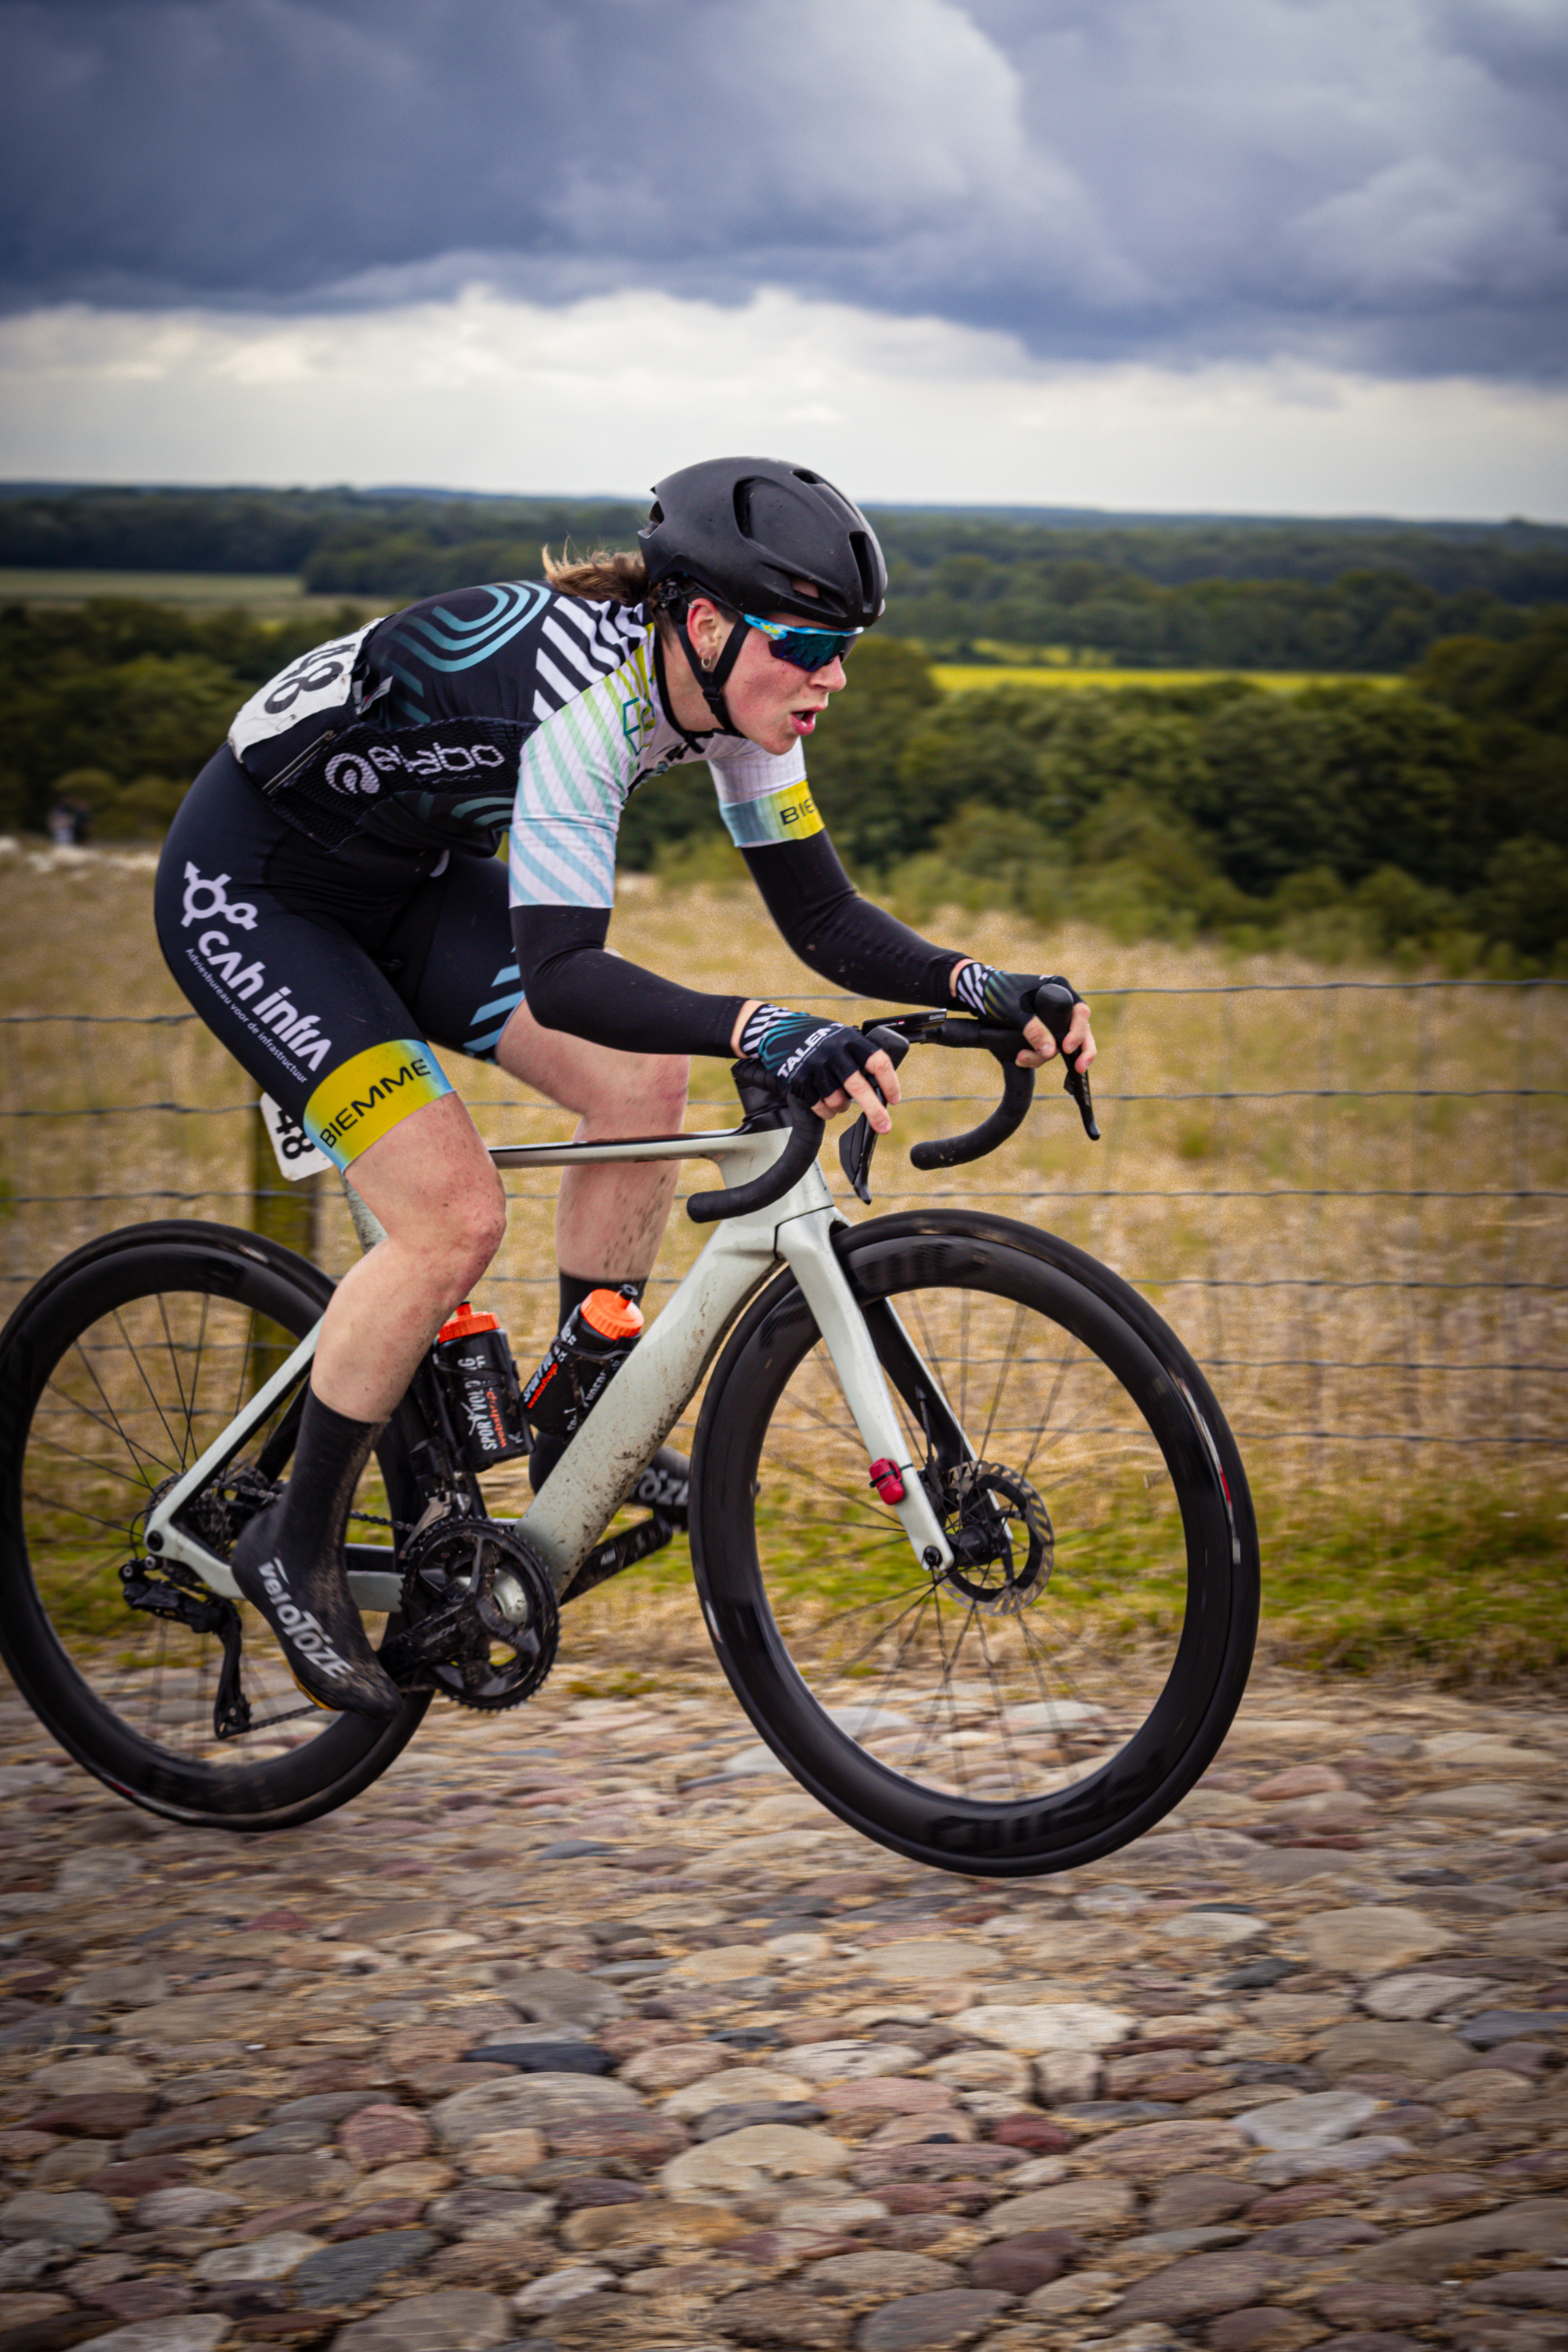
[(619, 576)]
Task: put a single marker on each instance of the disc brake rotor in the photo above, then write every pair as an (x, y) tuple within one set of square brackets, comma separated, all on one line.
[(1003, 1546)]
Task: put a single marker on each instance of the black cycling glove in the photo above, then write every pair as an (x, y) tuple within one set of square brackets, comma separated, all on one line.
[(1006, 997), (810, 1058)]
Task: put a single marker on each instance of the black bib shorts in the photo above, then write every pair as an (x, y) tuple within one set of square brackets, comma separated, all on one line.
[(326, 971)]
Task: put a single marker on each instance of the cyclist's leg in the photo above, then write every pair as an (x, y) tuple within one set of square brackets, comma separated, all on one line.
[(268, 940), (248, 923), (609, 1220), (463, 985)]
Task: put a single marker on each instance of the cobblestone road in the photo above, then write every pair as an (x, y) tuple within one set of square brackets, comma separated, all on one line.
[(579, 2031)]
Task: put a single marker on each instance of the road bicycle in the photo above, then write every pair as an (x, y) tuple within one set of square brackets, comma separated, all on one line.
[(971, 1538)]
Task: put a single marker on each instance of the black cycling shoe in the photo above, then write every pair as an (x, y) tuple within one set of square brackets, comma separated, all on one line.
[(289, 1564)]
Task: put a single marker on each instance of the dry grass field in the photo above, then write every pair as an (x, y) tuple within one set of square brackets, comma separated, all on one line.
[(1347, 1198), (969, 678), (266, 595)]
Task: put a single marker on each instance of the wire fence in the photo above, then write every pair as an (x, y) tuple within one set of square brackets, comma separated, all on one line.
[(1347, 1195)]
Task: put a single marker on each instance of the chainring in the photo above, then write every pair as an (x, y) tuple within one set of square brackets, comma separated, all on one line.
[(480, 1624), (985, 1508)]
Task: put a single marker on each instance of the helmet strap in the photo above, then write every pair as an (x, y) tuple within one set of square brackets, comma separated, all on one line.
[(711, 676)]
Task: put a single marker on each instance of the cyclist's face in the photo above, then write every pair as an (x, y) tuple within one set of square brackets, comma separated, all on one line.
[(773, 704)]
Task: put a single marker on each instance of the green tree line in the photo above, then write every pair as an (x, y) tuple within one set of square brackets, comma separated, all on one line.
[(1196, 591), (1430, 817)]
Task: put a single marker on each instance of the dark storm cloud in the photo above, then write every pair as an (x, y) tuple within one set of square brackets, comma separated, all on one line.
[(1371, 182)]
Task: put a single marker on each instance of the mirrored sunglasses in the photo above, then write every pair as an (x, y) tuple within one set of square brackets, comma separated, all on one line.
[(807, 649)]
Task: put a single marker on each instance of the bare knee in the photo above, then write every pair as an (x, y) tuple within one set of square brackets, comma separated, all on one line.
[(638, 1094), (467, 1230), (662, 1087)]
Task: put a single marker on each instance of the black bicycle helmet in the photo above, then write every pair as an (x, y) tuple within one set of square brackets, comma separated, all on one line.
[(747, 530)]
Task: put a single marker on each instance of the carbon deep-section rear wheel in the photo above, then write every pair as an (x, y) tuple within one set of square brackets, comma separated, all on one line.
[(117, 1372), (1055, 1691)]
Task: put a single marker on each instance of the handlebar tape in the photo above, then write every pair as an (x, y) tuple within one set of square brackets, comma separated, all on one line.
[(807, 1131)]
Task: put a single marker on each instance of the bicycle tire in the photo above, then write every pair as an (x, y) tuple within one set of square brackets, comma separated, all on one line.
[(1150, 1609), (109, 1369)]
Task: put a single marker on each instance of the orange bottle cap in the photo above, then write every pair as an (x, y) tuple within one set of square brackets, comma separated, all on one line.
[(613, 1316), (466, 1322)]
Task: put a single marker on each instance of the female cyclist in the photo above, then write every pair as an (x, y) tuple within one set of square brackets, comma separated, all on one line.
[(328, 899)]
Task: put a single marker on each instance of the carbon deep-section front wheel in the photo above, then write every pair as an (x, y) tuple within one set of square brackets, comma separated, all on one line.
[(1055, 1691), (117, 1372)]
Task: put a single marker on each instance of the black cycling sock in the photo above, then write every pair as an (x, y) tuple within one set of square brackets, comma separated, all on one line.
[(289, 1564)]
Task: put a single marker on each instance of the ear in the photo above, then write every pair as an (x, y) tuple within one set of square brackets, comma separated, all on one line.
[(707, 629)]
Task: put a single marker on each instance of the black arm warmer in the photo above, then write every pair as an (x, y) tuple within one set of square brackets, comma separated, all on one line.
[(572, 983), (841, 935)]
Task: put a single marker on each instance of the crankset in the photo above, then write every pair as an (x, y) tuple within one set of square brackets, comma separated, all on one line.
[(480, 1624), (1003, 1546)]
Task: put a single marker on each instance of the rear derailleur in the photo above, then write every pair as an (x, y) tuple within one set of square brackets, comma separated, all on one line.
[(177, 1592), (171, 1590)]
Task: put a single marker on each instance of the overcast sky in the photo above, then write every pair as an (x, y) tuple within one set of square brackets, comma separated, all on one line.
[(1305, 255)]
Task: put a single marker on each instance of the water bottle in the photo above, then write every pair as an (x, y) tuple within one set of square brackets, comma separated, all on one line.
[(582, 1361), (476, 1363)]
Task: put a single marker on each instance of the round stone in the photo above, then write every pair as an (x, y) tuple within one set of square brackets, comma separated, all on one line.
[(1089, 2204), (348, 2271), (1199, 2288), (862, 2276), (1019, 2265), (1370, 1938), (1289, 2125), (185, 2207), (461, 2320), (385, 2134), (1053, 2025), (528, 2102), (74, 2217), (744, 2161), (738, 2085), (955, 2315), (725, 1963), (276, 2256), (929, 1963)]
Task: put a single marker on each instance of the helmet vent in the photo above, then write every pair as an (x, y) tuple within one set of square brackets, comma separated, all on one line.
[(864, 565)]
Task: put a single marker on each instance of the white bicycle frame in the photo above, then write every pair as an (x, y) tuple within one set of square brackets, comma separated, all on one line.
[(647, 1396)]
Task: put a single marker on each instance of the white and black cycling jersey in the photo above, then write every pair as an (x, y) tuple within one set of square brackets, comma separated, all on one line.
[(498, 706)]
